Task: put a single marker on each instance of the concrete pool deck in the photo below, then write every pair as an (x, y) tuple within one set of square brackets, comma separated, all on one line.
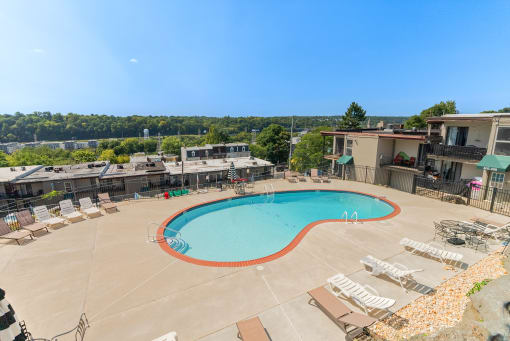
[(132, 290)]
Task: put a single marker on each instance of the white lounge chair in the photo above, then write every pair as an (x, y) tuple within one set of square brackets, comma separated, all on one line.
[(88, 208), (360, 294), (489, 228), (395, 271), (431, 250), (43, 216), (68, 212)]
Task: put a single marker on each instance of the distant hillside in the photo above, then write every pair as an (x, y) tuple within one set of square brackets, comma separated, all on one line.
[(47, 126)]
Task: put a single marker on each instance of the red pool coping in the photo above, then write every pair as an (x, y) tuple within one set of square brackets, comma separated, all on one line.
[(165, 247)]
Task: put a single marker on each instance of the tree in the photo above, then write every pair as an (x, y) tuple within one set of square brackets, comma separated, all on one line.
[(258, 151), (130, 146), (216, 135), (150, 146), (108, 155), (83, 156), (353, 117), (440, 109), (242, 137), (3, 160), (122, 159), (275, 140), (504, 110), (171, 145), (308, 152)]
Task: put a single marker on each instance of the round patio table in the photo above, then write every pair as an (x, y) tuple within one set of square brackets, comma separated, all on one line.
[(456, 227)]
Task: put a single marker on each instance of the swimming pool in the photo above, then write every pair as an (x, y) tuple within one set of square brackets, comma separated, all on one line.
[(257, 228)]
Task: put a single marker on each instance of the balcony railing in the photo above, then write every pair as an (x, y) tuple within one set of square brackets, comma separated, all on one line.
[(458, 152)]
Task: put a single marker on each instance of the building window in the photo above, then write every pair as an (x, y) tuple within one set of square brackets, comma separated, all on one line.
[(348, 147), (497, 180), (193, 153), (457, 136), (68, 188), (502, 146), (244, 148), (231, 149)]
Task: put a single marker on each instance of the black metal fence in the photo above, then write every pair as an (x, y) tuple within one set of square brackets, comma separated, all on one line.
[(461, 192), (127, 190), (461, 152)]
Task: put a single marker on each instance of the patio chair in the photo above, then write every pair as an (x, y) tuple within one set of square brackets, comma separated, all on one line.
[(325, 179), (172, 336), (395, 271), (301, 178), (252, 330), (87, 207), (431, 250), (68, 211), (292, 179), (314, 175), (17, 235), (492, 228), (106, 203), (360, 294), (477, 241), (352, 324), (442, 232), (43, 216), (27, 222)]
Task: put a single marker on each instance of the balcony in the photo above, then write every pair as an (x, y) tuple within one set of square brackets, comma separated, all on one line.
[(471, 153)]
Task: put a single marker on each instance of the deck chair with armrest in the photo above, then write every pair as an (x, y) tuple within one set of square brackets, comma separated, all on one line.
[(68, 211), (252, 330), (106, 203), (27, 222), (87, 207), (44, 216), (17, 235), (352, 323)]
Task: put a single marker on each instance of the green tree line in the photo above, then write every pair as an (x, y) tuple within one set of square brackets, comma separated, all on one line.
[(47, 126)]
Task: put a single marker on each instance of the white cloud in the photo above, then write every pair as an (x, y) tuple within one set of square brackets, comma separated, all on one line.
[(133, 60), (38, 50)]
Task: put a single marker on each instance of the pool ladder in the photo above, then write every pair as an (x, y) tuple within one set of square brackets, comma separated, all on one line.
[(175, 242), (269, 190), (354, 217)]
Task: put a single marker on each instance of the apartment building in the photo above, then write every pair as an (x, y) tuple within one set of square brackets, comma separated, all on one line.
[(472, 145), (215, 151)]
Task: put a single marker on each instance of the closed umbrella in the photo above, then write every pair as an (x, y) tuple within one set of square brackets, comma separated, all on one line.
[(9, 325), (232, 175)]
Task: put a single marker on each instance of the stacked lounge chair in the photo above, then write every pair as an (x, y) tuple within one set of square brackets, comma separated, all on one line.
[(433, 251), (68, 211), (353, 324), (106, 203), (43, 216), (88, 208), (27, 222), (395, 271), (252, 330), (360, 294), (17, 235)]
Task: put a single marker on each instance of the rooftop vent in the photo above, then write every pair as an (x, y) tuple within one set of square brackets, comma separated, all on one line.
[(204, 162), (13, 169), (23, 168), (120, 166), (254, 163), (90, 165), (48, 169), (225, 160), (252, 158)]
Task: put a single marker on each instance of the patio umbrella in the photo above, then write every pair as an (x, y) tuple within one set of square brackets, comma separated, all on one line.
[(232, 175), (9, 325)]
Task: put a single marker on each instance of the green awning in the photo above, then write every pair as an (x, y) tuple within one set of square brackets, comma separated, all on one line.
[(345, 159), (496, 163)]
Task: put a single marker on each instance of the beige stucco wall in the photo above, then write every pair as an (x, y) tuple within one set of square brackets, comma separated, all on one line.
[(478, 134), (470, 171), (364, 150), (386, 149), (410, 147)]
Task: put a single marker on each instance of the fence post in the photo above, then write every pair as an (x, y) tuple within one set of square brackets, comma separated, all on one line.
[(470, 189), (366, 172), (493, 199), (413, 188)]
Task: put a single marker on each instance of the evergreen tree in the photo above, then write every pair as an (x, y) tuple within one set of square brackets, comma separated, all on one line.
[(353, 117)]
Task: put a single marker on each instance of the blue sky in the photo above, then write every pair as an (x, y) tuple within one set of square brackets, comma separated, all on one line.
[(252, 57)]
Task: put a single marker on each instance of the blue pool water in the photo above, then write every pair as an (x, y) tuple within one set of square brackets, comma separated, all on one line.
[(253, 227)]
